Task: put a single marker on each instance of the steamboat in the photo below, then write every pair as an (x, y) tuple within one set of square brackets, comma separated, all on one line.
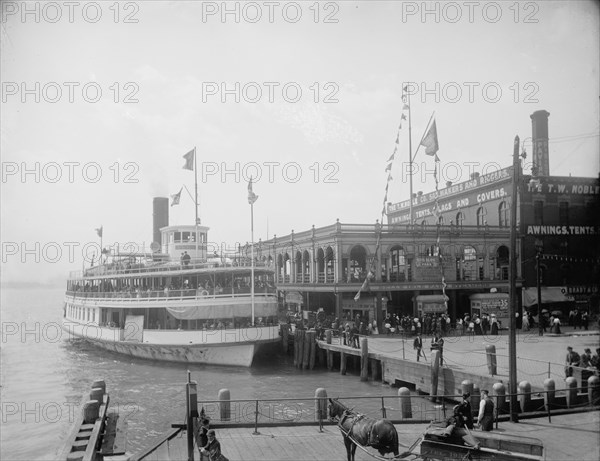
[(175, 303)]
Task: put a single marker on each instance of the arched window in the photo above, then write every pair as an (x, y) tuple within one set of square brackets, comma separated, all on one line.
[(432, 250), (503, 216), (481, 217), (460, 217), (441, 221)]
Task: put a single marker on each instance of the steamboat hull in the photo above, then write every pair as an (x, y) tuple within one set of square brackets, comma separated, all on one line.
[(233, 347)]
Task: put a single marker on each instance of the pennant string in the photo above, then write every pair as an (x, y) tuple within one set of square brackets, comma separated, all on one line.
[(388, 169)]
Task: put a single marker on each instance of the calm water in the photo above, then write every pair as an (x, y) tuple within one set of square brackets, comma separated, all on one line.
[(44, 375)]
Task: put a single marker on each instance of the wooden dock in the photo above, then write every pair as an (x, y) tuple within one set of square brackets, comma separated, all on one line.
[(570, 436)]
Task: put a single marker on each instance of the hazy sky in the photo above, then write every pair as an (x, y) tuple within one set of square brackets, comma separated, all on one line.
[(100, 101)]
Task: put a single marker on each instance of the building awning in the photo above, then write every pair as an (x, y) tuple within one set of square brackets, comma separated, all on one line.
[(549, 295)]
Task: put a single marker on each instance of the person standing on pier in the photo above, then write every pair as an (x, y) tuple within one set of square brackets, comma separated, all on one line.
[(438, 343), (485, 419), (418, 345), (466, 411), (213, 448)]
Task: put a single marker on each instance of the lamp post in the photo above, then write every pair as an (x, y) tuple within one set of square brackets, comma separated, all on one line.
[(539, 249)]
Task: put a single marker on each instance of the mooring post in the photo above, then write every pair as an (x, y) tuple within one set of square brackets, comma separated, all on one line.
[(405, 404), (321, 406), (593, 389), (524, 395), (224, 404)]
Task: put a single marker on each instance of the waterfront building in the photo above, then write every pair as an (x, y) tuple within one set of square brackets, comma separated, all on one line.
[(325, 268)]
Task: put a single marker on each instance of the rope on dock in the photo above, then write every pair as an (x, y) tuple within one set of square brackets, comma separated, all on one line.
[(403, 455)]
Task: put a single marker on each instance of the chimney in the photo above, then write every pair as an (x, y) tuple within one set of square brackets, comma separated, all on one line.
[(448, 183), (160, 218), (541, 156), (475, 175)]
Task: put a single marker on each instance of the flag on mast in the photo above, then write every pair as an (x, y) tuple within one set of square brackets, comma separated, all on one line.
[(189, 160), (252, 197), (175, 198), (99, 231), (430, 141)]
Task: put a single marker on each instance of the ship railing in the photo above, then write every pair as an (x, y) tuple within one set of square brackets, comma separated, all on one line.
[(123, 269), (144, 295)]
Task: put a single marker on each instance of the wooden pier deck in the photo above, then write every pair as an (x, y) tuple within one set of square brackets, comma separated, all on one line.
[(392, 359), (572, 436)]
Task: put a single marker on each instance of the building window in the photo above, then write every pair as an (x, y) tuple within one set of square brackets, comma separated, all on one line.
[(563, 213), (503, 216), (460, 217), (538, 212), (481, 217), (398, 269), (441, 221), (432, 250), (469, 264)]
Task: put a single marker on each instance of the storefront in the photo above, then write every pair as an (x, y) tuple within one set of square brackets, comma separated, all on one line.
[(365, 307), (432, 304), (491, 304)]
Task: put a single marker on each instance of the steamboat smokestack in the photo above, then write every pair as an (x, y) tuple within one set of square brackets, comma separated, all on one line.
[(541, 155), (160, 218)]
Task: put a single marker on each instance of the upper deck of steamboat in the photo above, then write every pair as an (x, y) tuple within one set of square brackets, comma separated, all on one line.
[(121, 269)]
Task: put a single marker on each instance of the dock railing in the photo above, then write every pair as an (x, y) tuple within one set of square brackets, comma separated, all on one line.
[(402, 408)]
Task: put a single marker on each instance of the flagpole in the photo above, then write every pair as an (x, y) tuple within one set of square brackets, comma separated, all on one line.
[(252, 257), (196, 200), (410, 159)]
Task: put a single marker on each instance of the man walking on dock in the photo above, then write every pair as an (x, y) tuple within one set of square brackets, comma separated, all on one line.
[(418, 345)]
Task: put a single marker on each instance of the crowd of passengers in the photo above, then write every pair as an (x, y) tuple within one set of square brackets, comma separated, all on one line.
[(174, 289), (202, 324)]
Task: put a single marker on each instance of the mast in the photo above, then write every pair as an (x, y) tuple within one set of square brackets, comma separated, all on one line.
[(252, 257)]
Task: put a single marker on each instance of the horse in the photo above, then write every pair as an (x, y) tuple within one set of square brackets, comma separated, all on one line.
[(359, 429)]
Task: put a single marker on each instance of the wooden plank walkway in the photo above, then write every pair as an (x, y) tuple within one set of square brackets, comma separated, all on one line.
[(573, 436)]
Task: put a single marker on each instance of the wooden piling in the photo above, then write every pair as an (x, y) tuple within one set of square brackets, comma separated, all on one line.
[(285, 334), (296, 338), (313, 350), (308, 341), (375, 370), (342, 363), (364, 359), (435, 371)]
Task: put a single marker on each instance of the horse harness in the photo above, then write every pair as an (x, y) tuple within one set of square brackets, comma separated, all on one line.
[(354, 421)]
